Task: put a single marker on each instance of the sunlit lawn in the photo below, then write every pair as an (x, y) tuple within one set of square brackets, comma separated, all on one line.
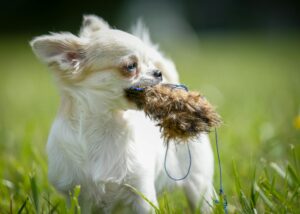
[(254, 80)]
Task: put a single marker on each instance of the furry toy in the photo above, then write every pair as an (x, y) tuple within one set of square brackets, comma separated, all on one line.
[(181, 115)]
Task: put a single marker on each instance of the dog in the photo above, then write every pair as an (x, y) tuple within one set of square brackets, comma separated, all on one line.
[(99, 140)]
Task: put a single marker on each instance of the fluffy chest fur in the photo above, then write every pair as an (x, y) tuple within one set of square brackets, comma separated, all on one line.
[(93, 152), (104, 153)]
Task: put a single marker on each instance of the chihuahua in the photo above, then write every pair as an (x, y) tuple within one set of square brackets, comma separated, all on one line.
[(99, 140)]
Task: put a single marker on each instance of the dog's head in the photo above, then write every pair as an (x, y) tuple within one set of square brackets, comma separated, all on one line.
[(102, 60)]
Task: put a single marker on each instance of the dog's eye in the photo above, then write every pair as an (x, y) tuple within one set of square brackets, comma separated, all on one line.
[(132, 67)]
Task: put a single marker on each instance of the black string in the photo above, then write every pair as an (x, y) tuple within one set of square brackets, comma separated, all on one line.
[(189, 167), (219, 161), (221, 191)]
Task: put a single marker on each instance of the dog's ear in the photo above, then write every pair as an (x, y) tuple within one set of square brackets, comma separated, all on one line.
[(64, 50), (140, 30), (92, 24)]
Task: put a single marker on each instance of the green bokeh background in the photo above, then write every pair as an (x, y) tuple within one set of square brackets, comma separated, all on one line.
[(251, 75)]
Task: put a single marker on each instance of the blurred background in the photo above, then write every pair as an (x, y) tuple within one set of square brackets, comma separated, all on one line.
[(243, 55), (29, 16)]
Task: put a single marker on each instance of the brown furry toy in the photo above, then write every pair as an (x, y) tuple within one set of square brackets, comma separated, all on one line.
[(180, 114)]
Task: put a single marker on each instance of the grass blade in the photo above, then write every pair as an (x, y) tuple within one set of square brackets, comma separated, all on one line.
[(246, 205), (54, 208), (23, 206), (295, 159), (264, 198), (133, 189), (293, 175), (75, 208), (34, 191), (283, 174)]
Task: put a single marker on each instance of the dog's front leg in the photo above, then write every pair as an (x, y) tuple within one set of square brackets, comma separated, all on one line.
[(147, 188), (85, 205)]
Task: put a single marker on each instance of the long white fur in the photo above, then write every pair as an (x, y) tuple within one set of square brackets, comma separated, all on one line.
[(98, 140)]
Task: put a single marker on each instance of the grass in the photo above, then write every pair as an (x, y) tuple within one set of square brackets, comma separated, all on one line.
[(252, 79)]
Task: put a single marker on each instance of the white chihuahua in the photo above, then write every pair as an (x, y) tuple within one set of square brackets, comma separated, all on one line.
[(98, 139)]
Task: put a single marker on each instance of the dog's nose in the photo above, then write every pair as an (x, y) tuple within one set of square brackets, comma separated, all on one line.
[(157, 74)]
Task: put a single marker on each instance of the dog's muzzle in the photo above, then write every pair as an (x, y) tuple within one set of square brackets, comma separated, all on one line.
[(143, 83)]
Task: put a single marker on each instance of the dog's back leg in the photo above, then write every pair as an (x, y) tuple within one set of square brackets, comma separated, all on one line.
[(198, 185)]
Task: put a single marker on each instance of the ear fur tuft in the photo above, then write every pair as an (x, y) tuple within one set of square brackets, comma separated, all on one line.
[(92, 24), (140, 30)]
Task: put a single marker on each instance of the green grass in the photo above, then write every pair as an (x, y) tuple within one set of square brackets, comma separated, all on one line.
[(252, 79)]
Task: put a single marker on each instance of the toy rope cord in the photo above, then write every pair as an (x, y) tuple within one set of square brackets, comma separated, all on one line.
[(221, 190)]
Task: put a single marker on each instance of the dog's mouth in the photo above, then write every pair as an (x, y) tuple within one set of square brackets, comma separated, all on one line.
[(144, 83), (135, 92)]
